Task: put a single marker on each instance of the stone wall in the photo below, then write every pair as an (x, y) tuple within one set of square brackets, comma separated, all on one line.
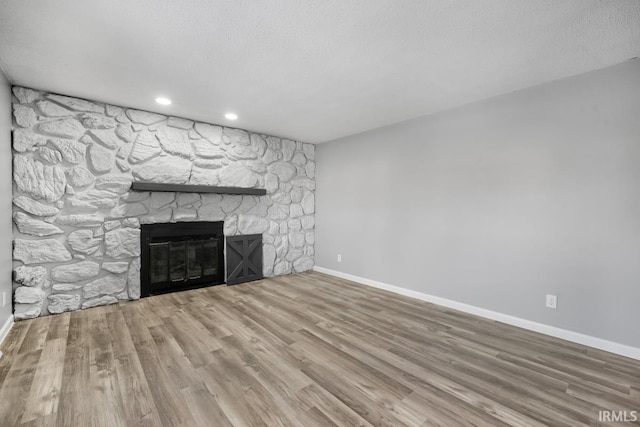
[(77, 224)]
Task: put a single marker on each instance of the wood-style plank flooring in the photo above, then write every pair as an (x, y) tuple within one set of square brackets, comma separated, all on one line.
[(301, 350)]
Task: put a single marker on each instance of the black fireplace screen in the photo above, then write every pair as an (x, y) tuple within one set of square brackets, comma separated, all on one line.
[(181, 256)]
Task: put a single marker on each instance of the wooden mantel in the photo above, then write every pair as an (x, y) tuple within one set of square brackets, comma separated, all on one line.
[(187, 188)]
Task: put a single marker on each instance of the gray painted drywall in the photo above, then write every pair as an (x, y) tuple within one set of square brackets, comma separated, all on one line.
[(500, 202), (5, 198)]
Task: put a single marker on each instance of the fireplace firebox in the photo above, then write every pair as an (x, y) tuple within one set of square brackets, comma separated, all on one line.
[(181, 256)]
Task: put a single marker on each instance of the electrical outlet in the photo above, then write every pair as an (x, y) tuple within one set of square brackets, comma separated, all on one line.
[(339, 258), (552, 301)]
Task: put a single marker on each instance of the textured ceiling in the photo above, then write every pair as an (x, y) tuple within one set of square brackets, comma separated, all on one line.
[(309, 70)]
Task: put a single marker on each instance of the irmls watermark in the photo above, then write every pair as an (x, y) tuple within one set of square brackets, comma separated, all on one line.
[(619, 416)]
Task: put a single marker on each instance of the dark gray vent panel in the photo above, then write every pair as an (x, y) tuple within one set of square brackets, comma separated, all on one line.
[(244, 258)]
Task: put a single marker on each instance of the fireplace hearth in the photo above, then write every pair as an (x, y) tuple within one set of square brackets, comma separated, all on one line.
[(181, 256)]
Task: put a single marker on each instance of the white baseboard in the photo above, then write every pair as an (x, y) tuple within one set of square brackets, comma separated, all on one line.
[(599, 343), (5, 330)]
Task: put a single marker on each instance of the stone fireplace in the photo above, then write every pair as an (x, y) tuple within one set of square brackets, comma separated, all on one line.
[(77, 224)]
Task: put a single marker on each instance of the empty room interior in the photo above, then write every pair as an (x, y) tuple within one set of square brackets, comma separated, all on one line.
[(320, 213)]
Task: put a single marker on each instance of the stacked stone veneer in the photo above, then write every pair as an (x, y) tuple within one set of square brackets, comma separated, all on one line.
[(77, 224)]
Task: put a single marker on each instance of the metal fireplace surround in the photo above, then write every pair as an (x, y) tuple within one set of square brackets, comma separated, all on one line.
[(181, 256)]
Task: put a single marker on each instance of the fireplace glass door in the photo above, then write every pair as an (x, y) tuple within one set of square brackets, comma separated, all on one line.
[(181, 256)]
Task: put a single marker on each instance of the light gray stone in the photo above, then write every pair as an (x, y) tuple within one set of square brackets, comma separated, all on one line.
[(235, 137), (25, 116), (308, 203), (182, 214), (251, 224), (201, 176), (29, 295), (34, 227), (293, 254), (307, 183), (113, 110), (231, 225), (237, 175), (65, 287), (72, 151), (278, 212), (26, 140), (309, 151), (303, 264), (144, 117), (175, 141), (271, 156), (75, 272), (123, 296), (288, 147), (208, 163), (81, 220), (165, 169), (240, 152), (308, 222), (30, 276), (310, 169), (207, 149), (131, 222), (230, 202), (285, 171), (294, 224), (48, 155), (133, 279), (296, 240), (84, 241), (92, 200), (69, 128), (125, 133), (210, 132), (145, 147), (179, 123), (128, 210), (61, 303), (157, 216), (106, 285), (211, 213), (258, 143), (37, 179), (299, 159), (79, 176), (122, 165), (295, 211), (105, 300), (51, 109), (101, 159), (98, 121), (77, 104), (110, 225), (24, 95), (33, 207), (271, 182), (310, 238), (296, 194), (159, 200), (119, 184), (27, 311), (105, 137), (282, 198), (122, 243), (186, 200), (268, 259), (116, 267), (282, 267)]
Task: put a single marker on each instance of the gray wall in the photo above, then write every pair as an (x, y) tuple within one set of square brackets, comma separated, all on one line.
[(5, 197), (500, 202)]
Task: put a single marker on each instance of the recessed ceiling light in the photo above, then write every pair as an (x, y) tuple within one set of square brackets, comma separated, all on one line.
[(231, 116), (163, 101)]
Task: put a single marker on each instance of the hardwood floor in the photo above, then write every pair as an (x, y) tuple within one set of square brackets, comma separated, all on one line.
[(301, 350)]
